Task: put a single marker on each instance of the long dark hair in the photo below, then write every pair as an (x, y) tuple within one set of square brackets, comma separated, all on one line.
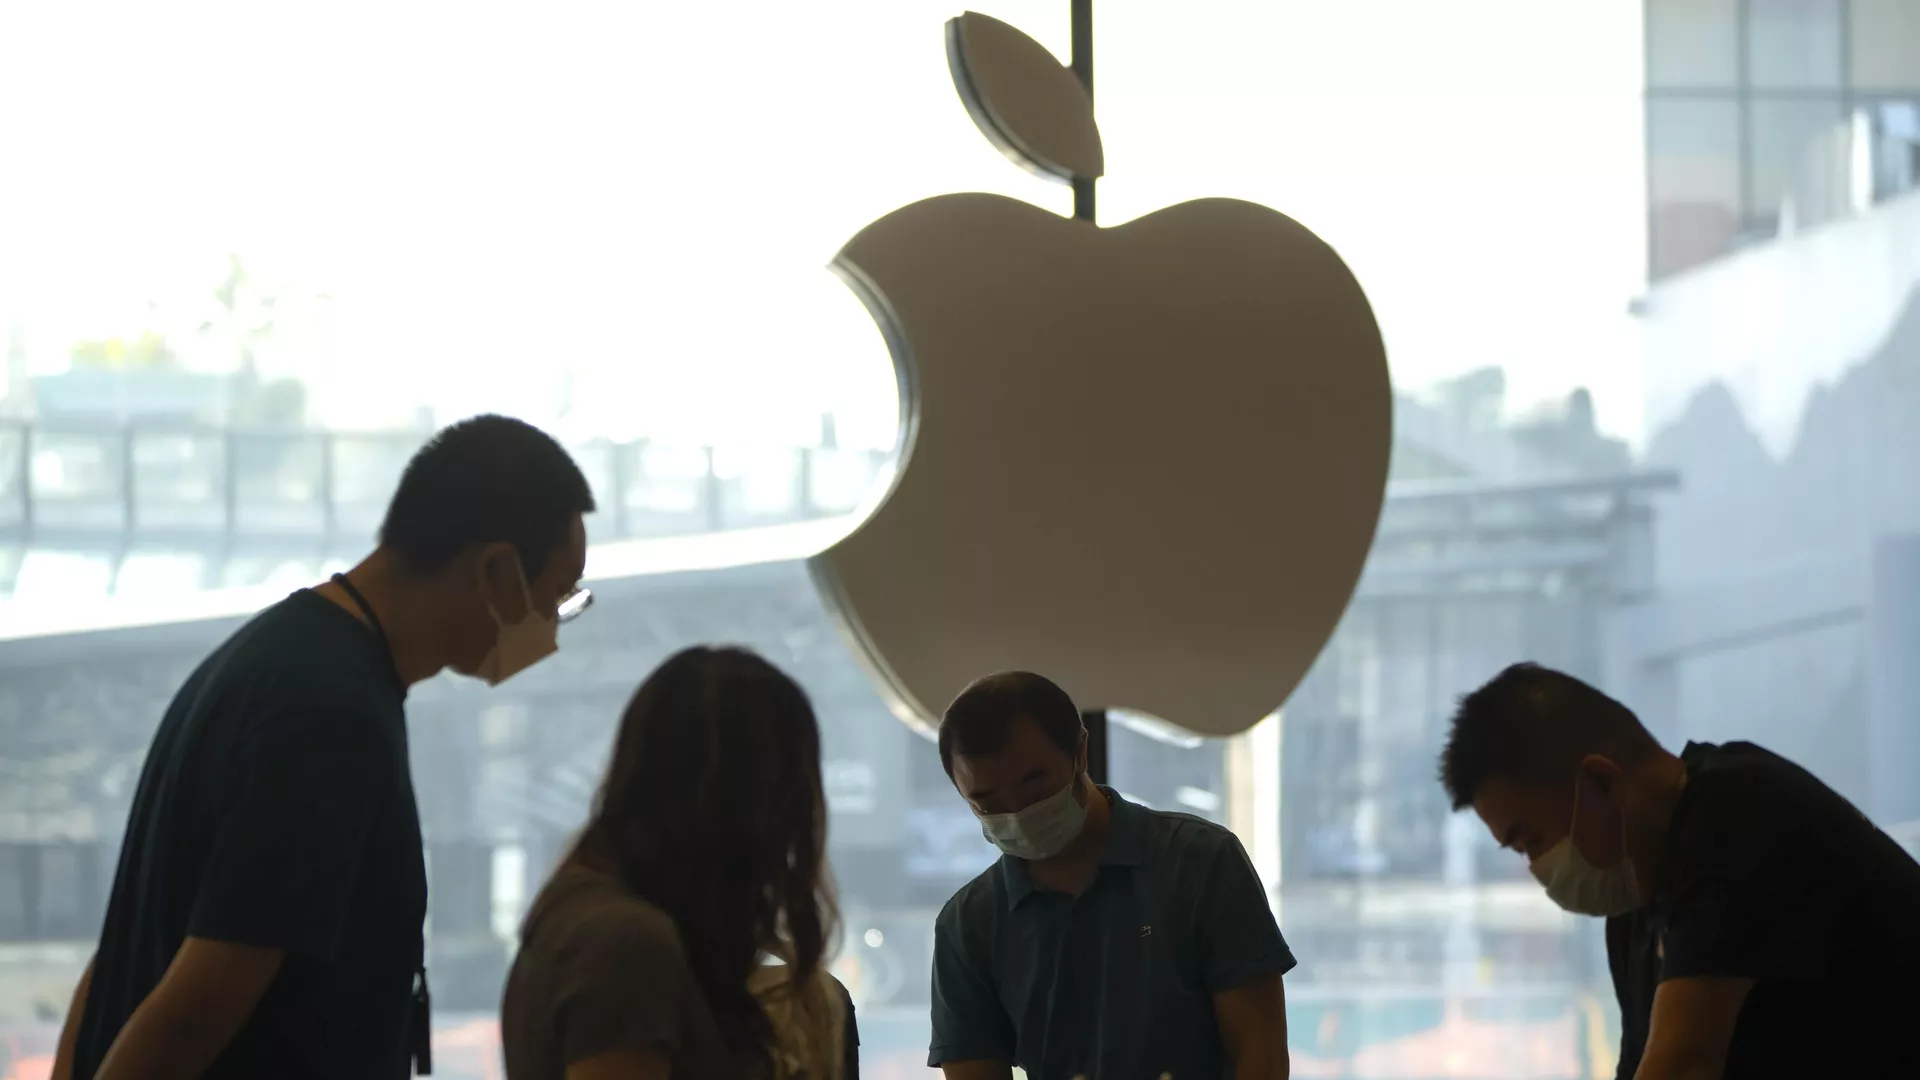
[(712, 810)]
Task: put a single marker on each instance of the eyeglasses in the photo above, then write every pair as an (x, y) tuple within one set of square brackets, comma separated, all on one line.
[(572, 604)]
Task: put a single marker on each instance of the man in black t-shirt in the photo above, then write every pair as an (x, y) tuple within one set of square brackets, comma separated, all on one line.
[(266, 917), (1759, 925)]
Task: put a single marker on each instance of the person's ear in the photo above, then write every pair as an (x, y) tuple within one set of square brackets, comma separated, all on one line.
[(1606, 777), (501, 582), (1598, 832)]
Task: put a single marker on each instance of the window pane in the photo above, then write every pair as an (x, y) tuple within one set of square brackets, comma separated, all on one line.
[(1799, 153), (1885, 45), (1692, 43), (1693, 167), (1894, 127), (1793, 44)]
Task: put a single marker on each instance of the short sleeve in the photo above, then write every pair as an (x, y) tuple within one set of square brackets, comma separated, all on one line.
[(286, 855), (969, 1023), (1239, 938), (622, 987), (1747, 897)]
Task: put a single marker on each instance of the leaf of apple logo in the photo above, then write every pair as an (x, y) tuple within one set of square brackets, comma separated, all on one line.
[(1146, 461)]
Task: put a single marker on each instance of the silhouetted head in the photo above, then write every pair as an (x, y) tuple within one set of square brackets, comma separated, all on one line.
[(1010, 740), (1544, 758), (1016, 750), (712, 810), (490, 514)]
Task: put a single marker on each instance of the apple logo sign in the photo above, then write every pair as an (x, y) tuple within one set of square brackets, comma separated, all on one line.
[(1146, 461)]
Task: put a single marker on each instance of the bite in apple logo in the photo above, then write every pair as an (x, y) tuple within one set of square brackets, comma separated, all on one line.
[(1146, 461)]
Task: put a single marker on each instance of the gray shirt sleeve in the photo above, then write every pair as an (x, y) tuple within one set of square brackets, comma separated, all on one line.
[(1239, 939), (969, 1023), (622, 986)]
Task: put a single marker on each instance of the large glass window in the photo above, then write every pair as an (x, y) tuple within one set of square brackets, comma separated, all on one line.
[(1694, 180), (1794, 44), (1693, 43), (1796, 74), (238, 288), (1796, 149), (1884, 45), (1893, 126)]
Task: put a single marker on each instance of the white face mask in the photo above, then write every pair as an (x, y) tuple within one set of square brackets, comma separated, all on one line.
[(1582, 888), (1042, 830), (520, 645)]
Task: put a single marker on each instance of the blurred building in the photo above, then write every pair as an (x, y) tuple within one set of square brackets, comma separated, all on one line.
[(1782, 367), (1767, 117), (1504, 540), (1500, 540)]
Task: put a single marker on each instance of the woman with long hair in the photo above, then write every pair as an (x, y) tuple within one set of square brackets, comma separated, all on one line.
[(703, 863)]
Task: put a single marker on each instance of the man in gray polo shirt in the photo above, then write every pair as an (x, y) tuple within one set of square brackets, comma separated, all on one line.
[(1110, 941)]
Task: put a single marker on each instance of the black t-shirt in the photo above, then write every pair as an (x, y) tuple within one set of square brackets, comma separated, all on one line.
[(276, 809), (1633, 953), (1776, 878)]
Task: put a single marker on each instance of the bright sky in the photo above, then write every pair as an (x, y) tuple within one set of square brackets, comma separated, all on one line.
[(622, 211)]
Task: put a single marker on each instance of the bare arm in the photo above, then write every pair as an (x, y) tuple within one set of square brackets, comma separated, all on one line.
[(70, 1031), (207, 994), (622, 1065), (1253, 1028), (1692, 1027), (975, 1070)]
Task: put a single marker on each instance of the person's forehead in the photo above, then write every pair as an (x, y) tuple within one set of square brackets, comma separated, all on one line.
[(1498, 815), (1017, 754), (1025, 736), (1027, 747), (1510, 810)]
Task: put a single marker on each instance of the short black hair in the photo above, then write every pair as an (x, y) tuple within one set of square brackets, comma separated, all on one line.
[(1533, 724), (980, 721), (484, 480)]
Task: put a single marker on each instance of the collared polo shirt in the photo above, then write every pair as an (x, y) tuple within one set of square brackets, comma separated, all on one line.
[(1118, 981)]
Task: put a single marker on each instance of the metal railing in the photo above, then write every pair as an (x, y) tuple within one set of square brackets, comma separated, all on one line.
[(95, 487), (223, 493)]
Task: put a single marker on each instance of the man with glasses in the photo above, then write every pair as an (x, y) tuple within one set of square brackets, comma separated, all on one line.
[(266, 917)]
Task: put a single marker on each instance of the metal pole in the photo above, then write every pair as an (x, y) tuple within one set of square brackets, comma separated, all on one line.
[(1095, 721), (1082, 12), (1893, 678)]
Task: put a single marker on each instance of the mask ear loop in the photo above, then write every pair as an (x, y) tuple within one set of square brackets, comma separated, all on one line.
[(526, 589), (485, 582), (1621, 812), (1573, 827), (526, 597)]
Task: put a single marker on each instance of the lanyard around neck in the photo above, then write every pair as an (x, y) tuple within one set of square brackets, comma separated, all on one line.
[(373, 622)]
